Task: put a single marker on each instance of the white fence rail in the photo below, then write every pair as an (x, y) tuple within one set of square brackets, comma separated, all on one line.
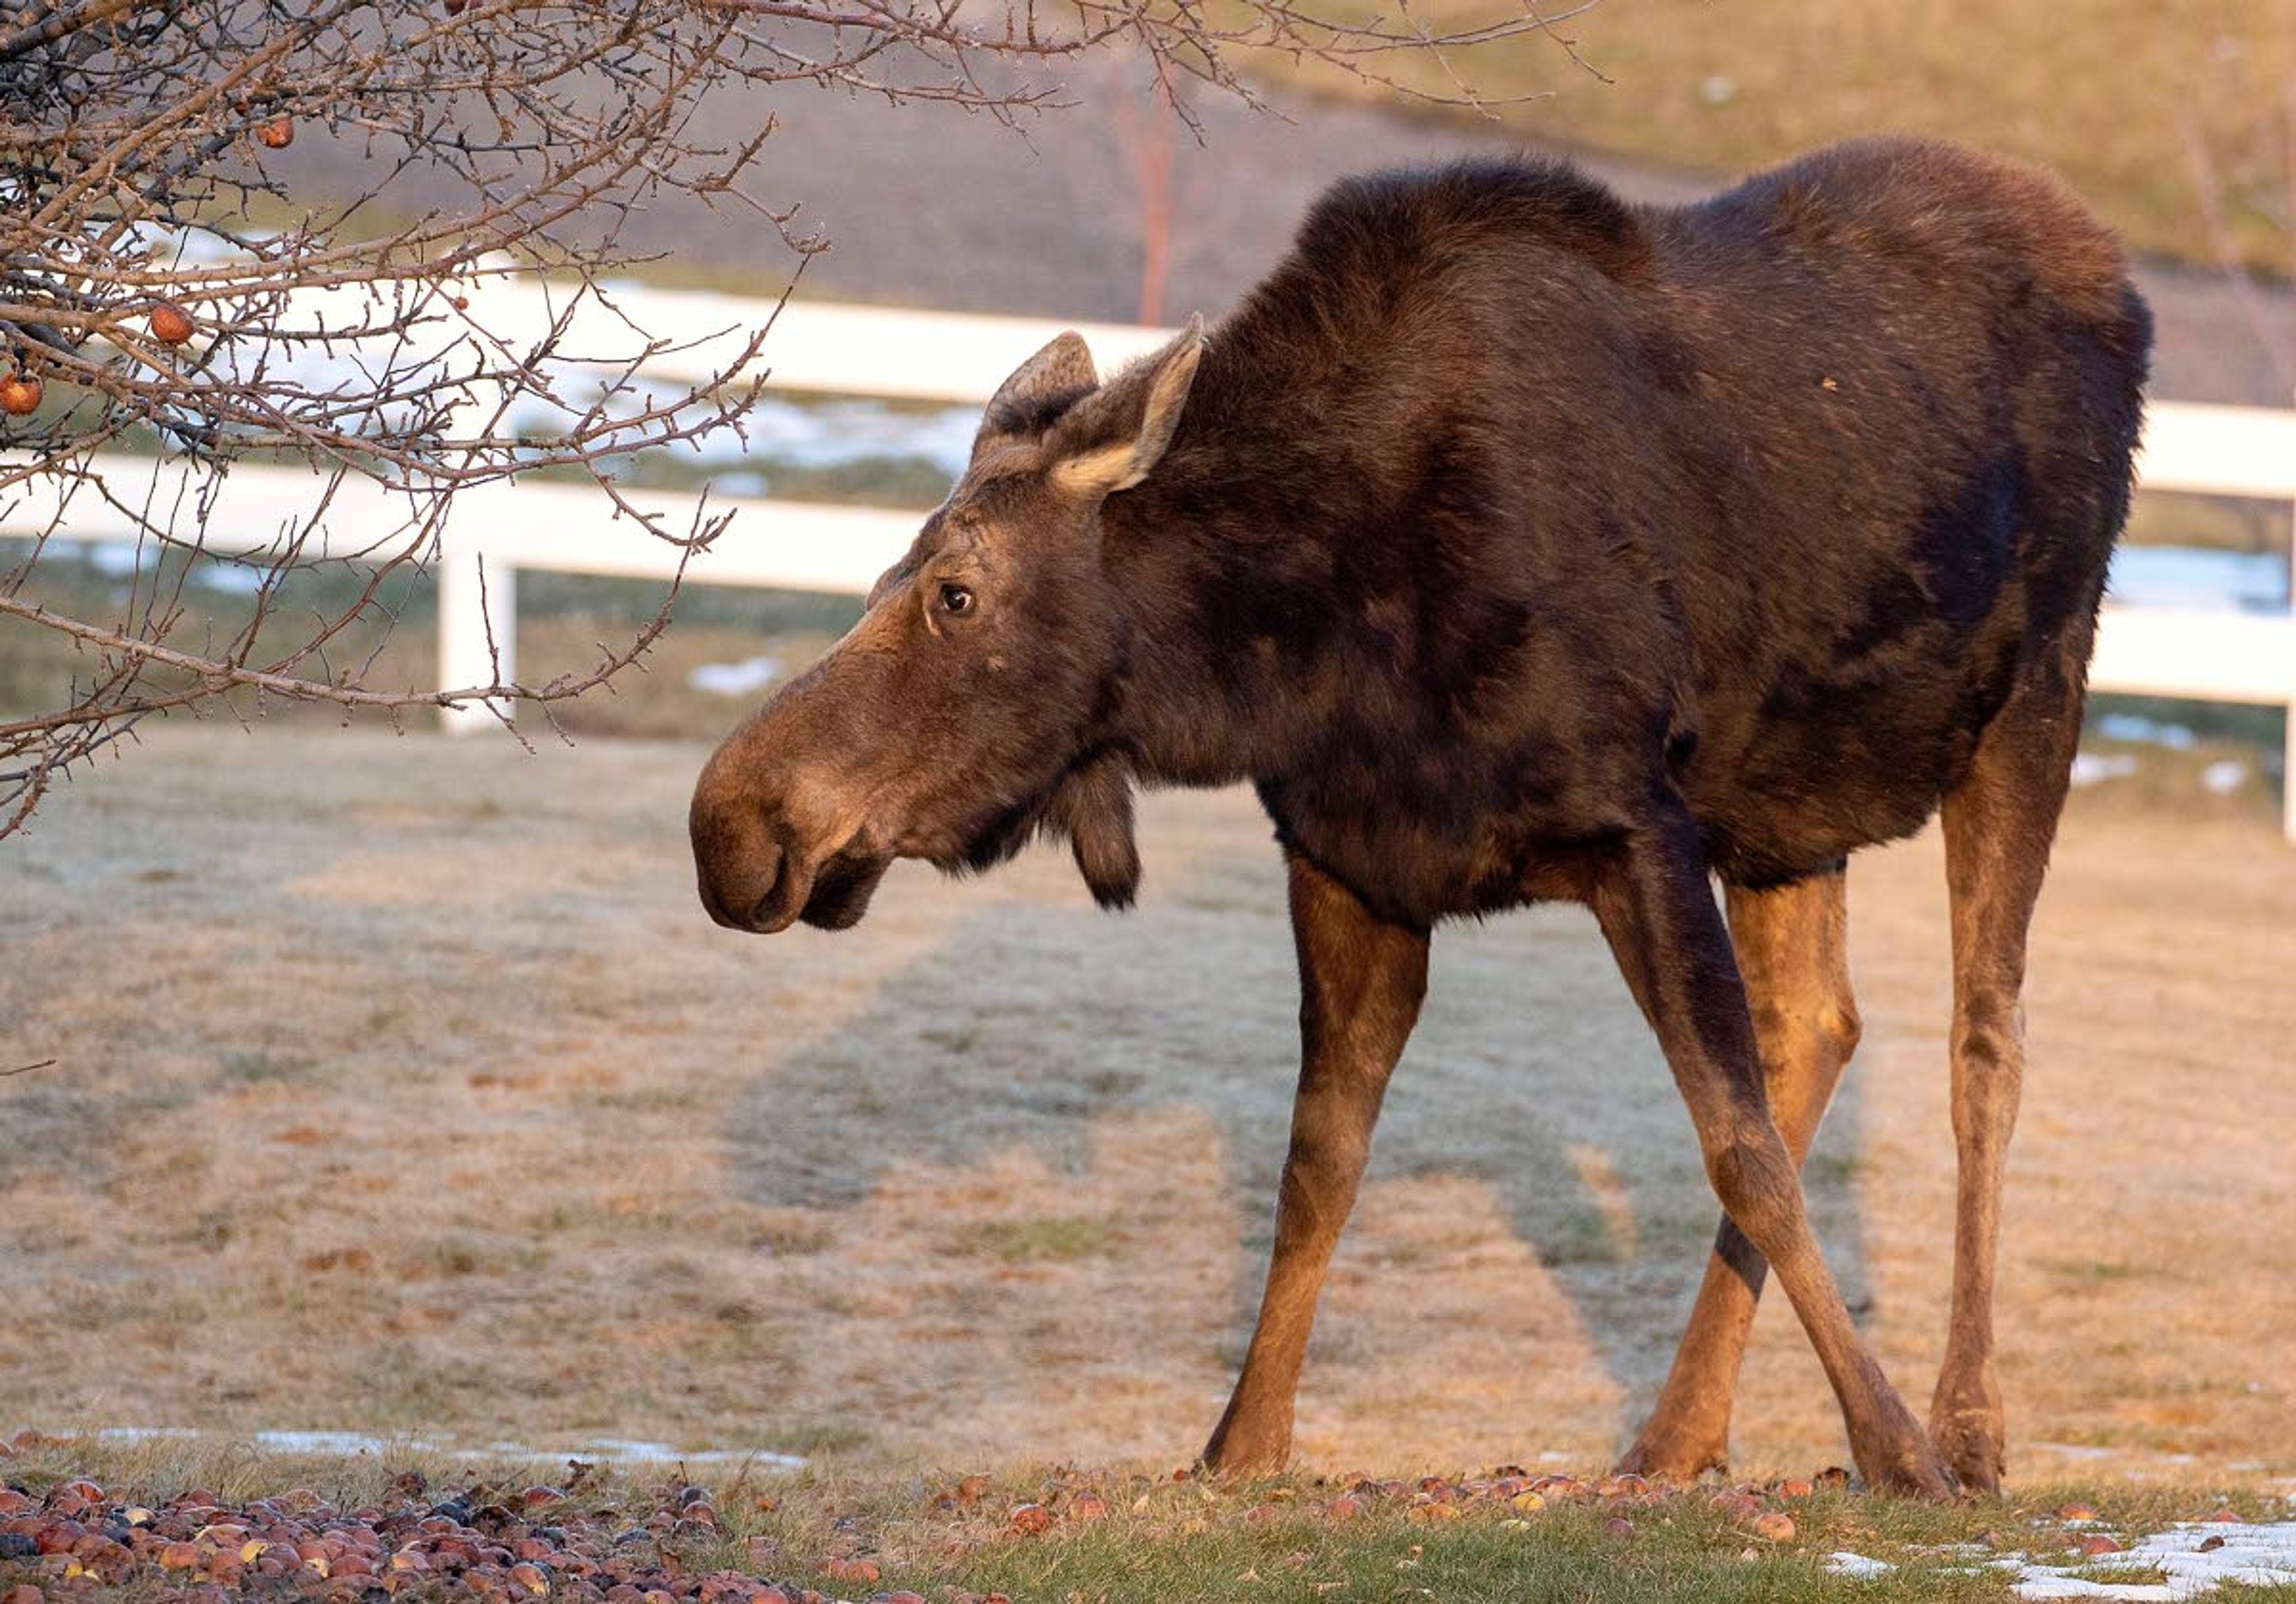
[(2208, 654)]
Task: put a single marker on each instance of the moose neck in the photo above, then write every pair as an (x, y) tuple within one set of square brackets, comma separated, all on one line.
[(1230, 557), (1208, 699)]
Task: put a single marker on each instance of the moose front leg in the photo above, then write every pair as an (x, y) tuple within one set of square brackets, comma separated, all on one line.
[(1658, 913), (1361, 981)]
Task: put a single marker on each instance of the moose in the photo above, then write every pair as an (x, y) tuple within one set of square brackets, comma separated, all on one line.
[(1518, 543)]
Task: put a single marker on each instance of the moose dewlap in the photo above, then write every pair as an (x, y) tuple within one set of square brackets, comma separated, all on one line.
[(1520, 544)]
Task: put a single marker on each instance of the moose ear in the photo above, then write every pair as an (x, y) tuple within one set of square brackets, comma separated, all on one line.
[(1110, 440), (1039, 391)]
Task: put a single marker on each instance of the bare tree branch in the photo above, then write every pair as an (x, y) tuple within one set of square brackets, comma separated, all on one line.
[(179, 290)]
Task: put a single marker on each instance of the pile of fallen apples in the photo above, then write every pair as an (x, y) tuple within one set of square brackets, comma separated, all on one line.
[(488, 1545), (603, 1542)]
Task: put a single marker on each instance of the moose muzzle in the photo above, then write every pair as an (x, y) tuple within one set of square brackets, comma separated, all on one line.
[(762, 862)]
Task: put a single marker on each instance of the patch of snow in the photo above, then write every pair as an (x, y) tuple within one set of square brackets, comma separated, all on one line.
[(353, 1442), (120, 559), (2222, 779), (2089, 769), (847, 431), (2262, 1555), (804, 434), (631, 1448), (320, 1441), (618, 1448), (278, 1441), (2253, 1557), (232, 579), (2054, 1586), (2187, 576), (2152, 732), (746, 678)]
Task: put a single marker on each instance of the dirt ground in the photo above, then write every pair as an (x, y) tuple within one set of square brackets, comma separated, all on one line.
[(404, 1087)]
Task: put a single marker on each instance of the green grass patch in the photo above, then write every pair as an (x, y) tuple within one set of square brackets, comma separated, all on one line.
[(2229, 722), (1127, 1534), (1310, 1539), (458, 1255), (258, 1066), (1578, 1238), (1040, 1239), (2099, 1272), (2103, 1573)]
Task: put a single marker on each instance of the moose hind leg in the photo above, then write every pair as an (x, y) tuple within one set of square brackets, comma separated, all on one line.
[(1792, 948), (1999, 822), (1361, 983), (1674, 949)]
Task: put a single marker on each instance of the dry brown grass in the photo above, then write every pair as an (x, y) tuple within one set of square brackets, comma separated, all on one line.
[(402, 1086), (2118, 95)]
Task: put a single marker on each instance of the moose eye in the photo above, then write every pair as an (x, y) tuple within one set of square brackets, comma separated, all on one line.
[(955, 598)]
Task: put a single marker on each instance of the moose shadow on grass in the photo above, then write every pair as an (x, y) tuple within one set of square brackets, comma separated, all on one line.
[(1033, 1017)]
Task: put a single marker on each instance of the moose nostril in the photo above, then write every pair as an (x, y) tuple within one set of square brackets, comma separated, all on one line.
[(738, 870), (760, 878)]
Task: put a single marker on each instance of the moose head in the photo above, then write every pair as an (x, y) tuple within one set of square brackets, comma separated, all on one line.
[(971, 707)]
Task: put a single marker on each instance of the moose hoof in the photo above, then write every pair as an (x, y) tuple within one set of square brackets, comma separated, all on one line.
[(1677, 1460), (1907, 1468), (1970, 1443), (1965, 1424), (1241, 1451)]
